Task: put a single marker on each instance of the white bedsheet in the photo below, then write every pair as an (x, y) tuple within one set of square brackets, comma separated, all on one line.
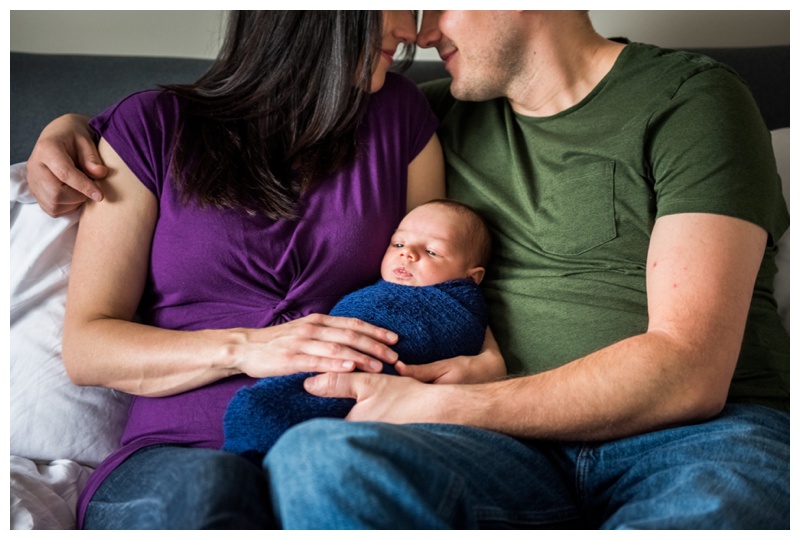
[(43, 496)]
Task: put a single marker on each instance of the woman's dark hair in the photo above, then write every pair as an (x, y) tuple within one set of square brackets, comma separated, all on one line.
[(278, 108)]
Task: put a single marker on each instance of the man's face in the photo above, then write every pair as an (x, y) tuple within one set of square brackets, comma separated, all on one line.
[(482, 50)]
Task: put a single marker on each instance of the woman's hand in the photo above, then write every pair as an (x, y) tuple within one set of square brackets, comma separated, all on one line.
[(487, 366), (61, 164), (316, 343)]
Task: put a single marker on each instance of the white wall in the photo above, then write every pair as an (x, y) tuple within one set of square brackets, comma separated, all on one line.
[(196, 33), (696, 28)]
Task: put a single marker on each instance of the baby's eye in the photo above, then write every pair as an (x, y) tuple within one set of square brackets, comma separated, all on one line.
[(431, 253), (397, 245)]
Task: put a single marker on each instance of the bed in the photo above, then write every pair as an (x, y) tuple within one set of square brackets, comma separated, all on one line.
[(60, 432)]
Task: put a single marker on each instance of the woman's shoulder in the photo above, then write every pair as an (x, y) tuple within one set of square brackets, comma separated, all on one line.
[(141, 128), (401, 100), (145, 103), (143, 107), (401, 111)]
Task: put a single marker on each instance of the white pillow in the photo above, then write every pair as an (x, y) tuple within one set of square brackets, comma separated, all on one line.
[(50, 417)]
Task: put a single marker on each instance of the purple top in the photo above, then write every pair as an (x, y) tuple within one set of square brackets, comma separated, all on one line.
[(213, 268)]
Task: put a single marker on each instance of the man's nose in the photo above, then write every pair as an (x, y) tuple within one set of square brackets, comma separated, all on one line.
[(429, 34)]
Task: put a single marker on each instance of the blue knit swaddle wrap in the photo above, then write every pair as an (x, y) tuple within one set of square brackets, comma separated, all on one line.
[(433, 323)]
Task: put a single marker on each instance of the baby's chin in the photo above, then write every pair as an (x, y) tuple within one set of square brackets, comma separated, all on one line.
[(409, 282)]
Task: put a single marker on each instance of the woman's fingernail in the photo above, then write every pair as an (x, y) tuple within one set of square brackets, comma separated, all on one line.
[(375, 365), (348, 364)]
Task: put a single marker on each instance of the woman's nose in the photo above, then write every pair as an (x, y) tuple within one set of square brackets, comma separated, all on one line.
[(406, 29), (429, 34)]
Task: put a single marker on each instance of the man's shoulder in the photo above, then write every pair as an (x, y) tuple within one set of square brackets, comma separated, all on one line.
[(664, 63), (438, 95)]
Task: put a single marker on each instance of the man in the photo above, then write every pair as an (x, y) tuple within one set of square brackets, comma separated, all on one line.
[(635, 207)]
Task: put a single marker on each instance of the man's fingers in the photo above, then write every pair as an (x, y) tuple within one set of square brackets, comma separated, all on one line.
[(55, 198), (77, 181), (341, 385), (421, 372), (89, 159)]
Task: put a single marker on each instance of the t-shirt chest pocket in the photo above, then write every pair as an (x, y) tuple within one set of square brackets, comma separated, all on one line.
[(575, 210)]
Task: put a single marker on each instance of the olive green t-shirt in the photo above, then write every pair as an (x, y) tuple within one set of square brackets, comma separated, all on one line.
[(572, 198)]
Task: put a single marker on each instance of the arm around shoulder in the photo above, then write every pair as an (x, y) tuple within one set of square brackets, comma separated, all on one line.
[(63, 164)]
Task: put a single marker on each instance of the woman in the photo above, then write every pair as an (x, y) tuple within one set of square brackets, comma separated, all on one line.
[(237, 210)]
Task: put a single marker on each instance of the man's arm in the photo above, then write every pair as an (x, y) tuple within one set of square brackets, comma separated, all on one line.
[(63, 164), (701, 270)]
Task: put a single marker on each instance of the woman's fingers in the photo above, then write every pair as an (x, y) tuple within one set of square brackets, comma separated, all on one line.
[(319, 355), (342, 335), (318, 343)]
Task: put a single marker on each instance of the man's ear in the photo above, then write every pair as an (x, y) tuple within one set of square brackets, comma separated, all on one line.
[(476, 274)]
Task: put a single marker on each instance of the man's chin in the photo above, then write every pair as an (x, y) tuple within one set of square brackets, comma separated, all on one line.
[(465, 92)]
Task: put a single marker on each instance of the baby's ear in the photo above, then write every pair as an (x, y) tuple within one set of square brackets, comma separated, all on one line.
[(476, 274)]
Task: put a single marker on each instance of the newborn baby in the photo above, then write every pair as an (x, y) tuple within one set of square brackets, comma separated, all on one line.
[(428, 295)]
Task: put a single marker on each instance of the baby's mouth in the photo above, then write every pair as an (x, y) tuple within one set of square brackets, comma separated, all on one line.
[(401, 272)]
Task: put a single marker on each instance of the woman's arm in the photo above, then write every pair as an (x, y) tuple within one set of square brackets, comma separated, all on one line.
[(426, 175), (102, 347), (63, 164)]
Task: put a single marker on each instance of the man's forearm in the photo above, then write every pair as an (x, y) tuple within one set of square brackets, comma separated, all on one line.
[(640, 384)]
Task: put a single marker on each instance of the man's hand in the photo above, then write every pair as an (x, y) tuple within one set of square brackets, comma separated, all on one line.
[(63, 164), (382, 398), (458, 370), (487, 366)]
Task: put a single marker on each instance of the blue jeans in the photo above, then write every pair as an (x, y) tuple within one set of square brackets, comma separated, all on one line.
[(728, 473), (173, 487)]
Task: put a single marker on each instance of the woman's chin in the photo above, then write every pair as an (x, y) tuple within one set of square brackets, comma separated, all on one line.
[(378, 78)]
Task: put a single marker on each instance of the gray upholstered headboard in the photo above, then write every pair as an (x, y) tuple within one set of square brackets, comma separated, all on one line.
[(46, 86)]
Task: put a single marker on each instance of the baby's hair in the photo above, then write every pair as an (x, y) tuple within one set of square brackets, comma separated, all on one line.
[(478, 229)]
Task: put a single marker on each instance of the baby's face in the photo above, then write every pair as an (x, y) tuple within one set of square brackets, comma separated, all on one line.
[(427, 248)]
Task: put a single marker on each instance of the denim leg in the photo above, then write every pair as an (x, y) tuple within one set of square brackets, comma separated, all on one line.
[(171, 487), (332, 474), (728, 473)]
